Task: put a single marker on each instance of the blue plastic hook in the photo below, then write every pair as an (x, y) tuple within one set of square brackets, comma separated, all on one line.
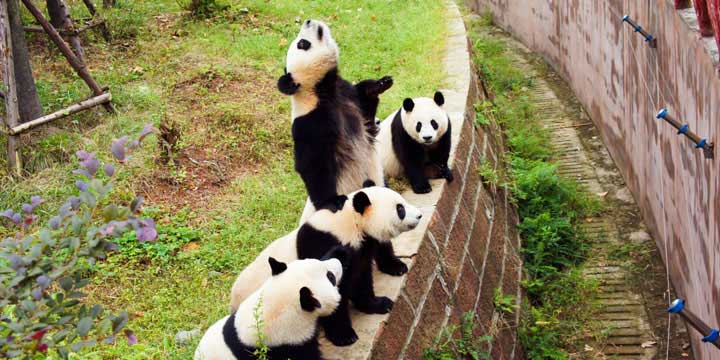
[(683, 129), (712, 336), (677, 306)]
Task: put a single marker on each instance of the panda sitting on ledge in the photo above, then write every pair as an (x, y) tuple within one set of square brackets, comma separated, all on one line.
[(416, 136)]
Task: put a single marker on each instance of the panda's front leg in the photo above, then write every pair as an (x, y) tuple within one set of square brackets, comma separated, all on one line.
[(338, 326), (363, 296), (386, 260)]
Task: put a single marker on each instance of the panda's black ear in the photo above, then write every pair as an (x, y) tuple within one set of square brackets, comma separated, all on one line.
[(439, 98), (408, 105), (308, 302), (276, 266), (368, 183), (361, 202)]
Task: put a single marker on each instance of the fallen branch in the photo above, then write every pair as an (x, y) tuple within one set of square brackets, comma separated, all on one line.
[(72, 109)]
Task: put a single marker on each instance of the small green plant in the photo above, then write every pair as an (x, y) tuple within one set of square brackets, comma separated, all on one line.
[(42, 266), (488, 174), (458, 342), (484, 111), (505, 303), (261, 350)]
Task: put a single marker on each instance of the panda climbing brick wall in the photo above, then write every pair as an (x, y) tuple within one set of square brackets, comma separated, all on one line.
[(414, 138)]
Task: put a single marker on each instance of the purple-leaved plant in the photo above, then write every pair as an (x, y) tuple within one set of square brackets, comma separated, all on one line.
[(41, 278)]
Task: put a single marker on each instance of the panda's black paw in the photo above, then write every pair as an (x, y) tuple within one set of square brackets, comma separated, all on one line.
[(422, 188), (384, 84), (446, 173), (344, 336), (381, 305), (287, 85), (392, 266)]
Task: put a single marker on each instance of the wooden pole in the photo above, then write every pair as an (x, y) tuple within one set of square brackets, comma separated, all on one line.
[(72, 109), (78, 65), (70, 27), (100, 22), (11, 100)]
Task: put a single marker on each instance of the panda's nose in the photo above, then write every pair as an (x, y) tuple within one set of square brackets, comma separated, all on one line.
[(308, 22), (419, 216), (303, 44), (427, 138)]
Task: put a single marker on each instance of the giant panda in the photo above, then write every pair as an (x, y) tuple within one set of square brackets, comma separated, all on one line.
[(416, 136), (333, 121), (285, 309), (360, 222), (334, 126)]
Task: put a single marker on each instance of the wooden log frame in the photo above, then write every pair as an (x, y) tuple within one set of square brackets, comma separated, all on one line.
[(10, 91), (70, 110), (74, 61)]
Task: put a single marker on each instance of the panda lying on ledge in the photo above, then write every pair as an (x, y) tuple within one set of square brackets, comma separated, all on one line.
[(290, 303)]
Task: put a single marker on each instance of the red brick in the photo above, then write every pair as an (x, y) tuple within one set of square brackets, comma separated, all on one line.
[(431, 319), (479, 237), (455, 248), (426, 262), (502, 344), (468, 288), (393, 335), (462, 151), (449, 199), (438, 227), (472, 181), (493, 266)]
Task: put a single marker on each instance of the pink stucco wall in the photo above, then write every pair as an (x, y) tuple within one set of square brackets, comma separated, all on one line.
[(622, 83)]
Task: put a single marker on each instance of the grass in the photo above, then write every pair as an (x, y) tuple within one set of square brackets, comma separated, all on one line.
[(229, 187), (459, 342), (551, 208)]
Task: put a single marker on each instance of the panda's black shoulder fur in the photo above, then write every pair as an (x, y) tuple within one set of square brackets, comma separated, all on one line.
[(307, 350), (339, 115)]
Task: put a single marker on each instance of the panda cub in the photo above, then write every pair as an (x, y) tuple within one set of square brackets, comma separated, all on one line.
[(364, 219), (289, 303), (333, 121), (415, 136)]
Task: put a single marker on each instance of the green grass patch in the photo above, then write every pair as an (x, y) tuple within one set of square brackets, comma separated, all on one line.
[(459, 342), (551, 207)]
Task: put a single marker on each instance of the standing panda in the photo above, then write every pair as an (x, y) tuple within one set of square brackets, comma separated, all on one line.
[(415, 136), (333, 121), (334, 127), (363, 220), (285, 310)]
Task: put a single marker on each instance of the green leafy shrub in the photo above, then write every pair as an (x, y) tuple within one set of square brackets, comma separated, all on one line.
[(42, 265), (458, 342)]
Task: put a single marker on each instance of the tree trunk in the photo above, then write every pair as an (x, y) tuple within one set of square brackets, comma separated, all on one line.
[(108, 3), (61, 20), (28, 100)]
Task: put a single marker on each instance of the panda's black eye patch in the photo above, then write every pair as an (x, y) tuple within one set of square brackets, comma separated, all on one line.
[(320, 33), (434, 124), (304, 45), (401, 211), (331, 277), (418, 127)]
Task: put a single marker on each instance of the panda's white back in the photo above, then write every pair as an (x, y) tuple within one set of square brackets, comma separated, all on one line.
[(212, 345), (255, 274), (390, 165)]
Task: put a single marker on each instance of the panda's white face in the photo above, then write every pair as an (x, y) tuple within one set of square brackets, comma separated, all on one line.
[(388, 214), (312, 54), (321, 277), (426, 122)]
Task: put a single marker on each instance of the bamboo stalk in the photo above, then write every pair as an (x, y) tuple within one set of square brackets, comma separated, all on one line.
[(70, 110), (78, 65), (7, 68)]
